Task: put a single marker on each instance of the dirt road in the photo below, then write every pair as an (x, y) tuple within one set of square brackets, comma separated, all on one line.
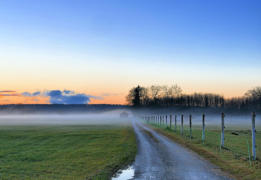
[(160, 158)]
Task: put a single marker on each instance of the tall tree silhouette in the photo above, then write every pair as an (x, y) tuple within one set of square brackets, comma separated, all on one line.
[(137, 96)]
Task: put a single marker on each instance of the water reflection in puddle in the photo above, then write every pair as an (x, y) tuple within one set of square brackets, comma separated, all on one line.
[(124, 174)]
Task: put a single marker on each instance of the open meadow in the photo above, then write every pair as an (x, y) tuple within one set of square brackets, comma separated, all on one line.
[(65, 151)]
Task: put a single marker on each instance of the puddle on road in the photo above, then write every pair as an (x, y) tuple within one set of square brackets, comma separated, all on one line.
[(124, 174)]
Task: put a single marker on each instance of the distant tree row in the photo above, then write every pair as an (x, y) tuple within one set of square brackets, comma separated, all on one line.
[(173, 96), (251, 100)]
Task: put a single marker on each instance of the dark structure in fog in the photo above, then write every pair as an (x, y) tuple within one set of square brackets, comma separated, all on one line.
[(124, 115)]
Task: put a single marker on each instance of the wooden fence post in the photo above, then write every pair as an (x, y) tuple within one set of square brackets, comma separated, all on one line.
[(222, 130), (203, 128), (190, 126), (175, 122), (170, 120), (182, 116), (162, 119), (254, 136)]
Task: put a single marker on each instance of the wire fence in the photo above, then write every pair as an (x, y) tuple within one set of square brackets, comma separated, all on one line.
[(239, 135)]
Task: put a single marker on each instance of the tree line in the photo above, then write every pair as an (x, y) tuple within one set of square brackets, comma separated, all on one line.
[(172, 96)]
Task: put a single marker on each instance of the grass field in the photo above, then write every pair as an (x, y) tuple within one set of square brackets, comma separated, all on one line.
[(233, 159), (64, 152)]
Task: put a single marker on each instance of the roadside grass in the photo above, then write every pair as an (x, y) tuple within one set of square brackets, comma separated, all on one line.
[(65, 152), (234, 158)]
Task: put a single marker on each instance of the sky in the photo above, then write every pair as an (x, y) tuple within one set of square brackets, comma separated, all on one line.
[(98, 50)]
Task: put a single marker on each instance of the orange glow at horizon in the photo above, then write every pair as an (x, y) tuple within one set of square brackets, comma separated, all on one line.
[(110, 100), (13, 97), (23, 100)]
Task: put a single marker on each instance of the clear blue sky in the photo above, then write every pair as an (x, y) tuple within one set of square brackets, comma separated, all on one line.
[(203, 45)]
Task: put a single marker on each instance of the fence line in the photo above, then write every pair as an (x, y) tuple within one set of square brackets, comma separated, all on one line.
[(162, 120)]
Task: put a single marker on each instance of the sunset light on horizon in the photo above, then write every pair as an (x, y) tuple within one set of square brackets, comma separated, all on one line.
[(98, 51)]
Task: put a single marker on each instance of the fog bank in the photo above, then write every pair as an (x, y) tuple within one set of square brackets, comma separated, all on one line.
[(106, 118)]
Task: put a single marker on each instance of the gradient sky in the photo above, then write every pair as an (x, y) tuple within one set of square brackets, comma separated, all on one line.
[(103, 48)]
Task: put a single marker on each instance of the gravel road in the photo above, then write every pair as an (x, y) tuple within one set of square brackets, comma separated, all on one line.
[(160, 158)]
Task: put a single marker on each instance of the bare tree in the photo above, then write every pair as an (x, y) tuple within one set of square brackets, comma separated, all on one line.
[(254, 93), (174, 91), (155, 91)]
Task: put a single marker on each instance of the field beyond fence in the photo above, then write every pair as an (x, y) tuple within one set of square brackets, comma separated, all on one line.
[(236, 151)]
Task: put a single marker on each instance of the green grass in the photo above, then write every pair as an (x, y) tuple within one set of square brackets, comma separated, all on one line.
[(233, 159), (64, 152)]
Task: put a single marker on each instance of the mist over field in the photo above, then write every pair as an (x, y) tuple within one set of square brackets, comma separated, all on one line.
[(98, 118), (92, 115), (240, 120), (231, 121)]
